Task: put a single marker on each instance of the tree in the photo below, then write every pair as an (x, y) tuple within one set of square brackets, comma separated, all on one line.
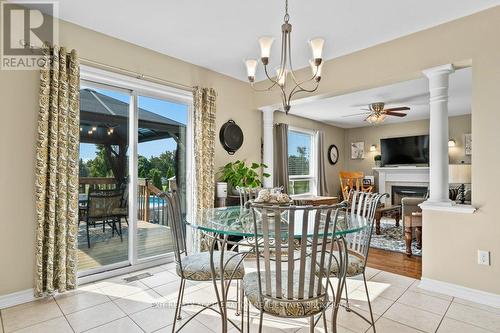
[(99, 166), (83, 168), (155, 176)]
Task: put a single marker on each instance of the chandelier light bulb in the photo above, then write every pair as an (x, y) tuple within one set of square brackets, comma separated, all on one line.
[(94, 128), (265, 48), (317, 48), (251, 65)]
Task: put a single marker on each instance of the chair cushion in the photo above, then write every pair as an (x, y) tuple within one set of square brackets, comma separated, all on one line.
[(119, 211), (354, 264), (283, 307), (197, 266)]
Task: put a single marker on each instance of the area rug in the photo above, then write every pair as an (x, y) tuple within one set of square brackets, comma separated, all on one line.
[(391, 238)]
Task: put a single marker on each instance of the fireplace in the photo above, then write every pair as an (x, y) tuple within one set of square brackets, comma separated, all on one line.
[(400, 192)]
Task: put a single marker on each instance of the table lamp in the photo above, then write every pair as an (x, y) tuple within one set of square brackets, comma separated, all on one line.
[(460, 174)]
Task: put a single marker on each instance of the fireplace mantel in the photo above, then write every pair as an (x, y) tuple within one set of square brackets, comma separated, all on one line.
[(403, 175)]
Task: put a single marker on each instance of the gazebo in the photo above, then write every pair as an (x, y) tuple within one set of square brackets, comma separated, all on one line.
[(104, 120)]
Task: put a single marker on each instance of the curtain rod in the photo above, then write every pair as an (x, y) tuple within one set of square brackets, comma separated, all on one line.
[(134, 74)]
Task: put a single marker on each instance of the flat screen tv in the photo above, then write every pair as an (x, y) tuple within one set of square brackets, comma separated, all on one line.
[(406, 150)]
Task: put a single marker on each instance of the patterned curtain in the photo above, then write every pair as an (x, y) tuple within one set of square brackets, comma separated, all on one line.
[(57, 172), (204, 100)]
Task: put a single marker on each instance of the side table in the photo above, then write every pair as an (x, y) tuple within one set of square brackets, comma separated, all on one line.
[(413, 221)]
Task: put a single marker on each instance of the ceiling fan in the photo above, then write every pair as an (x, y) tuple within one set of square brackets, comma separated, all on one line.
[(376, 113)]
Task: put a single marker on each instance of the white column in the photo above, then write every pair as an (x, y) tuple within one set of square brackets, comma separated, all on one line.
[(438, 134), (268, 128)]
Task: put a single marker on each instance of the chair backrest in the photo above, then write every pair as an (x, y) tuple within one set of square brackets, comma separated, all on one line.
[(364, 205), (350, 181), (174, 212), (101, 203), (246, 194), (307, 262)]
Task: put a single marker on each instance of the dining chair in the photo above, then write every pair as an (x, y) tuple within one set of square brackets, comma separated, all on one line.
[(295, 291), (101, 207), (360, 205), (352, 181), (246, 194), (195, 267)]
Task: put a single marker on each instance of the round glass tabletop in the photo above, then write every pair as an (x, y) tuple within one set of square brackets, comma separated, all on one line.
[(236, 221)]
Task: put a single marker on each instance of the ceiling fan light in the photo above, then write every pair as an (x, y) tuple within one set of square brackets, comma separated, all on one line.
[(251, 65), (317, 48), (265, 48)]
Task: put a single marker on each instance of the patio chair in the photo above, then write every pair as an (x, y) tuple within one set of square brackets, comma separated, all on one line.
[(360, 204), (297, 291), (101, 207), (195, 267)]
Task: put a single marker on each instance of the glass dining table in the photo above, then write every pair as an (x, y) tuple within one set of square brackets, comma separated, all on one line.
[(225, 227)]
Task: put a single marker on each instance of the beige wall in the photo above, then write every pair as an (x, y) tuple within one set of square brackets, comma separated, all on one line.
[(18, 117), (450, 240), (333, 135), (458, 126)]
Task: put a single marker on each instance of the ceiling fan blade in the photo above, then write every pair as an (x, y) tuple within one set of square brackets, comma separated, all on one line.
[(402, 108), (355, 115), (396, 114)]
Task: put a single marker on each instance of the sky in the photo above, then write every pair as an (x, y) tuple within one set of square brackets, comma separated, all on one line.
[(174, 111), (296, 139)]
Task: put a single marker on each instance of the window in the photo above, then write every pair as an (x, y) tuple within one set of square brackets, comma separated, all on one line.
[(301, 162)]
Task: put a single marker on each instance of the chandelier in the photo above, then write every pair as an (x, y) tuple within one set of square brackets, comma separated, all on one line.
[(285, 79)]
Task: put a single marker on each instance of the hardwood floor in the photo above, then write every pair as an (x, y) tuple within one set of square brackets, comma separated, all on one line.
[(395, 262)]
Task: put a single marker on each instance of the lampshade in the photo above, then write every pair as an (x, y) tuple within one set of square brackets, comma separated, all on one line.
[(251, 68), (459, 174), (317, 47), (373, 147), (451, 143), (265, 46)]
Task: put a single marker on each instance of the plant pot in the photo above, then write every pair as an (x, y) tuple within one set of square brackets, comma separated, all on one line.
[(378, 164)]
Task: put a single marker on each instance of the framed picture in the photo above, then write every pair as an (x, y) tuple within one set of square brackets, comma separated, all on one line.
[(468, 144), (357, 150)]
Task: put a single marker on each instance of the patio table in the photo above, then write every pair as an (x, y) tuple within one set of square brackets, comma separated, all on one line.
[(220, 223)]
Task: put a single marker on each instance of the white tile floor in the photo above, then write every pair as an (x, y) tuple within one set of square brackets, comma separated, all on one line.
[(116, 306)]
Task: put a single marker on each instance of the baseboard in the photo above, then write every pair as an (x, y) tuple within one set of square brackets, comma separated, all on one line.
[(455, 290), (19, 297)]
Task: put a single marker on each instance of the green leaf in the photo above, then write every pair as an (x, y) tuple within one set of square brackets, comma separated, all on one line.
[(266, 175)]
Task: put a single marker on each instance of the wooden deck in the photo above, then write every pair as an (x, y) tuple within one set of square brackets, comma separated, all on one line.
[(153, 239)]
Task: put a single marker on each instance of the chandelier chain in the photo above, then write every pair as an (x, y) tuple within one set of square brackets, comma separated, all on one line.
[(287, 16)]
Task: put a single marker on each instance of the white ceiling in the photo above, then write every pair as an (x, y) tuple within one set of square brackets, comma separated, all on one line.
[(219, 34), (414, 94)]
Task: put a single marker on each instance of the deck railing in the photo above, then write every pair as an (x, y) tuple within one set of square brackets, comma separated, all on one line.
[(151, 207)]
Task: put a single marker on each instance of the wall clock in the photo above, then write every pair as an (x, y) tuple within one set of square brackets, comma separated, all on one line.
[(333, 154)]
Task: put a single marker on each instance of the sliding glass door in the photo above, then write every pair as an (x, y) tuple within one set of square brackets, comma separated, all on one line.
[(133, 146), (161, 166), (104, 142)]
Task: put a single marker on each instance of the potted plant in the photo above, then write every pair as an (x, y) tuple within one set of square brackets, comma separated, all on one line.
[(378, 160), (239, 174)]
